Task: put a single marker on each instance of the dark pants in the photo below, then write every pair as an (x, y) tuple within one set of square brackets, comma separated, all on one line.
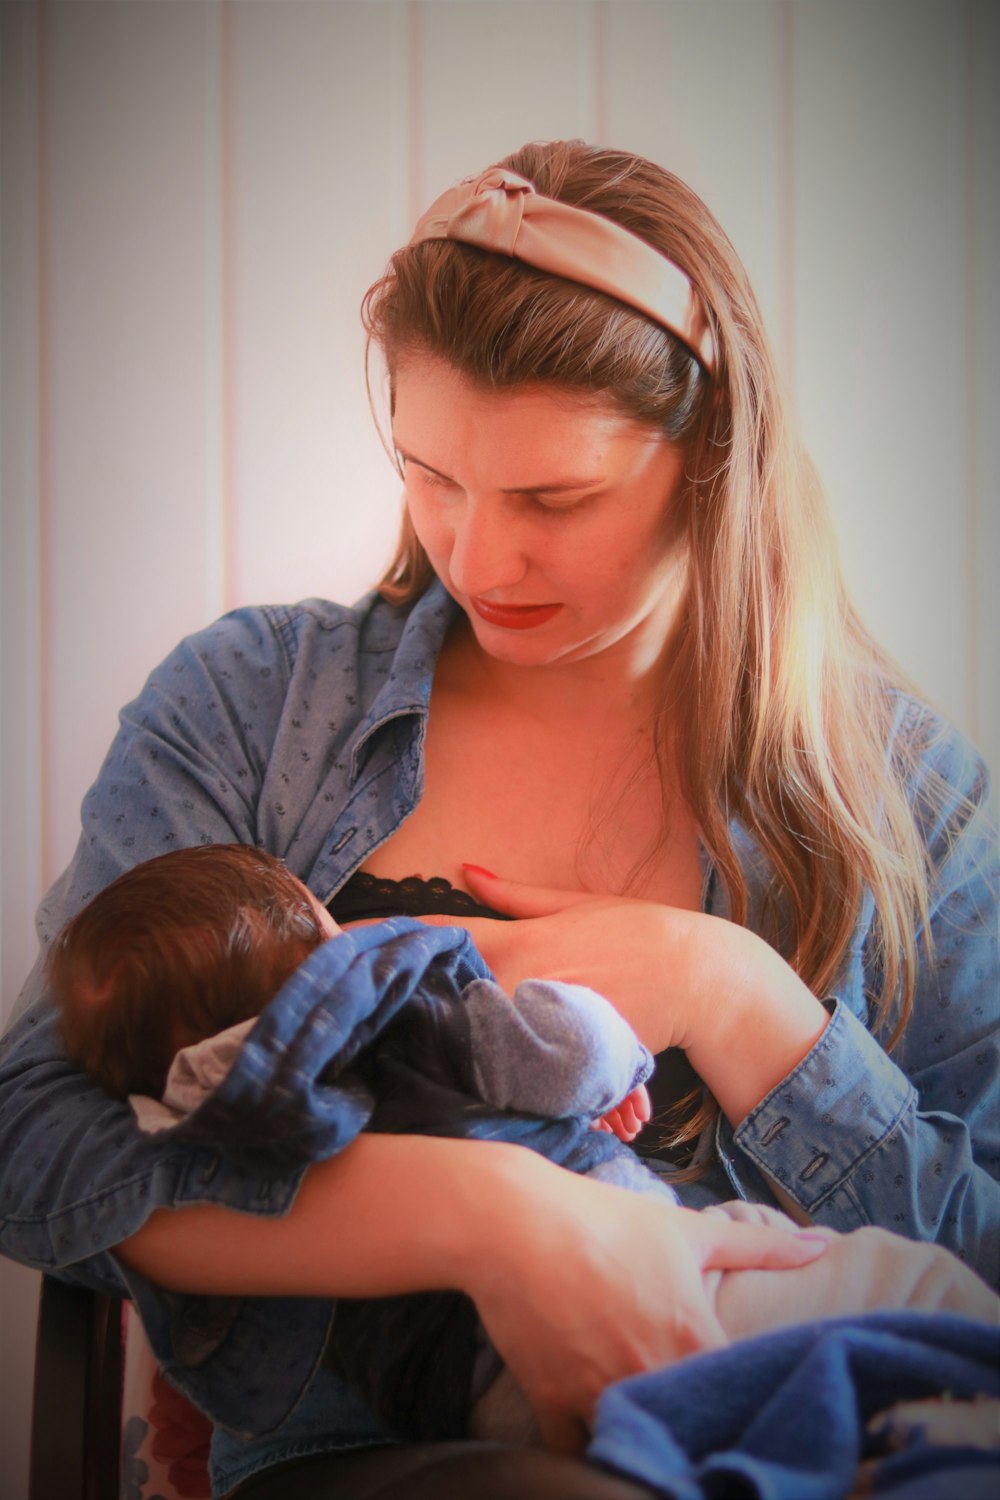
[(439, 1471)]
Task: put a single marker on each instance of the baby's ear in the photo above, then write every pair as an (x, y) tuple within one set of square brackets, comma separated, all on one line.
[(327, 926)]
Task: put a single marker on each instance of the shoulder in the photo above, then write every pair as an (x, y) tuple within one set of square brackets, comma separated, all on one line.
[(946, 778), (280, 635), (261, 654), (954, 808)]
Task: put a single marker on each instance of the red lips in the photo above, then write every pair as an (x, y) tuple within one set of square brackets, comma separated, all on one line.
[(515, 616)]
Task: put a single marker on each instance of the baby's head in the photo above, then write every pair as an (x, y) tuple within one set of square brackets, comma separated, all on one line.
[(172, 952)]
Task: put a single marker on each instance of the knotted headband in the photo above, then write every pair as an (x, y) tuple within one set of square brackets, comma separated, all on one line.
[(501, 211)]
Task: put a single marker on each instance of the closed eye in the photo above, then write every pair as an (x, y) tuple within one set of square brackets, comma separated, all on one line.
[(555, 502), (428, 477), (552, 506)]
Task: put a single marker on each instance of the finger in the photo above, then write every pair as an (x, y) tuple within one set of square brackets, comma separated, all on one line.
[(618, 1126), (619, 1123), (629, 1119), (516, 898), (641, 1103), (759, 1247)]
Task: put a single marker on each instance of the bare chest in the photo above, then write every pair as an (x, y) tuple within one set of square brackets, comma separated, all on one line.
[(575, 811)]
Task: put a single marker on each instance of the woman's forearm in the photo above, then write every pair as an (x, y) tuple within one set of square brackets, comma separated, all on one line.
[(578, 1283), (389, 1214), (680, 978), (755, 1021)]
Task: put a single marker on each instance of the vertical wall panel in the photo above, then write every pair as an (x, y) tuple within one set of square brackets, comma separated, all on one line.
[(880, 281), (20, 601), (983, 333), (126, 392), (699, 89), (20, 718), (318, 130), (493, 76)]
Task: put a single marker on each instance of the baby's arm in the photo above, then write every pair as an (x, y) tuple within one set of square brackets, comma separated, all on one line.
[(553, 1049)]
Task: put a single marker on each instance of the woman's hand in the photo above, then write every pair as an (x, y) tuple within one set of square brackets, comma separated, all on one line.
[(589, 1283), (578, 1283), (632, 952), (680, 978)]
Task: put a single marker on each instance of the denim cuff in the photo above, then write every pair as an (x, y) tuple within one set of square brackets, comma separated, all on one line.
[(820, 1123)]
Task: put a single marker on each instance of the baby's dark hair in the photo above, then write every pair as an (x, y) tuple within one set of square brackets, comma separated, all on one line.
[(172, 952)]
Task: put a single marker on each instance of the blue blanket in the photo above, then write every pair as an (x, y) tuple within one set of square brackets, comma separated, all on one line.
[(784, 1416)]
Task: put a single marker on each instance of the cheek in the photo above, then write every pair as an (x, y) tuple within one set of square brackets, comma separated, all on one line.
[(628, 569), (427, 521), (422, 532), (665, 540)]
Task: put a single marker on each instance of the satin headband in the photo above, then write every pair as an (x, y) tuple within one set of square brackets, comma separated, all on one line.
[(501, 211)]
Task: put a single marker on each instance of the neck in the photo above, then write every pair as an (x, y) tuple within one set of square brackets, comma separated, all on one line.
[(621, 685)]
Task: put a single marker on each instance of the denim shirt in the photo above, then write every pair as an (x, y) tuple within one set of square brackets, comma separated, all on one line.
[(300, 729)]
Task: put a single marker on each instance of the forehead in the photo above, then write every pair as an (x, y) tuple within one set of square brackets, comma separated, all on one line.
[(436, 406)]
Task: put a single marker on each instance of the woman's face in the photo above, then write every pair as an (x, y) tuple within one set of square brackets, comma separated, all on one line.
[(549, 516)]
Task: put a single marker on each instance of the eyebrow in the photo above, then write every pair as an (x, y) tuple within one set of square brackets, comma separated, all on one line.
[(564, 486)]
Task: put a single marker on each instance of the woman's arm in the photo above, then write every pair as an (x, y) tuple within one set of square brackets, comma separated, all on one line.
[(845, 1132), (911, 1140), (537, 1248), (680, 978)]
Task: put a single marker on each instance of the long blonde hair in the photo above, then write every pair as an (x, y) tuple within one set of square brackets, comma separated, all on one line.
[(785, 699)]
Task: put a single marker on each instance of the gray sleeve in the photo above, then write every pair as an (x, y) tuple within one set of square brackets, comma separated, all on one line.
[(551, 1049)]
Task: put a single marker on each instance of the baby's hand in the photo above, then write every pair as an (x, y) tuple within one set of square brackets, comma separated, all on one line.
[(627, 1119)]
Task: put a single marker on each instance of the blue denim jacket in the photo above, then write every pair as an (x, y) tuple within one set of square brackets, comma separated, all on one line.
[(301, 729)]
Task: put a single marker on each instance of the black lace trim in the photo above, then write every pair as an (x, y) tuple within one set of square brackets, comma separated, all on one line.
[(376, 896)]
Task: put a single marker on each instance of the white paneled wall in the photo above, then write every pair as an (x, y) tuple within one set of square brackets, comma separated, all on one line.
[(196, 195), (315, 171), (881, 223)]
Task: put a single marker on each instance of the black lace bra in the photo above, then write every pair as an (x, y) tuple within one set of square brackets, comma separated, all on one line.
[(366, 896)]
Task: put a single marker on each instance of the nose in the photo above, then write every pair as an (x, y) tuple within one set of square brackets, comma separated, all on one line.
[(486, 552)]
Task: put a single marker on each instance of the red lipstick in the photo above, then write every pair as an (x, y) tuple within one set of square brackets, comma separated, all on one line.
[(515, 616)]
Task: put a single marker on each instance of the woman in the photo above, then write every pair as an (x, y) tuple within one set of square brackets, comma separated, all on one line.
[(613, 663)]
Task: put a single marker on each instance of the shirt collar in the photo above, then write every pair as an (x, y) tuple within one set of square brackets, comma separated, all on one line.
[(407, 689)]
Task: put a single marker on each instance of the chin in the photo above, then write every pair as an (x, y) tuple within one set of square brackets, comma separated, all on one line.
[(532, 648)]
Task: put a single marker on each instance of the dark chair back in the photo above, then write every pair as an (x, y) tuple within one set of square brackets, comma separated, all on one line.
[(76, 1418)]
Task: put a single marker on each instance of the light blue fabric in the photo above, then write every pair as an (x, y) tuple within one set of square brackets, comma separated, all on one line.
[(300, 729)]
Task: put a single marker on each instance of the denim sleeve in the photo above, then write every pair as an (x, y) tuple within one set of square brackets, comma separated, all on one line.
[(910, 1141), (76, 1176)]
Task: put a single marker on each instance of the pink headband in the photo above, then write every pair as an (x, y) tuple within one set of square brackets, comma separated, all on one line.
[(501, 211)]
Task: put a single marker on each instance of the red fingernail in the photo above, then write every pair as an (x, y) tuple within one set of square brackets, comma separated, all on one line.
[(478, 870)]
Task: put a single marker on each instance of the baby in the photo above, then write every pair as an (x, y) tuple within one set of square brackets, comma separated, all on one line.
[(196, 943), (163, 976)]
